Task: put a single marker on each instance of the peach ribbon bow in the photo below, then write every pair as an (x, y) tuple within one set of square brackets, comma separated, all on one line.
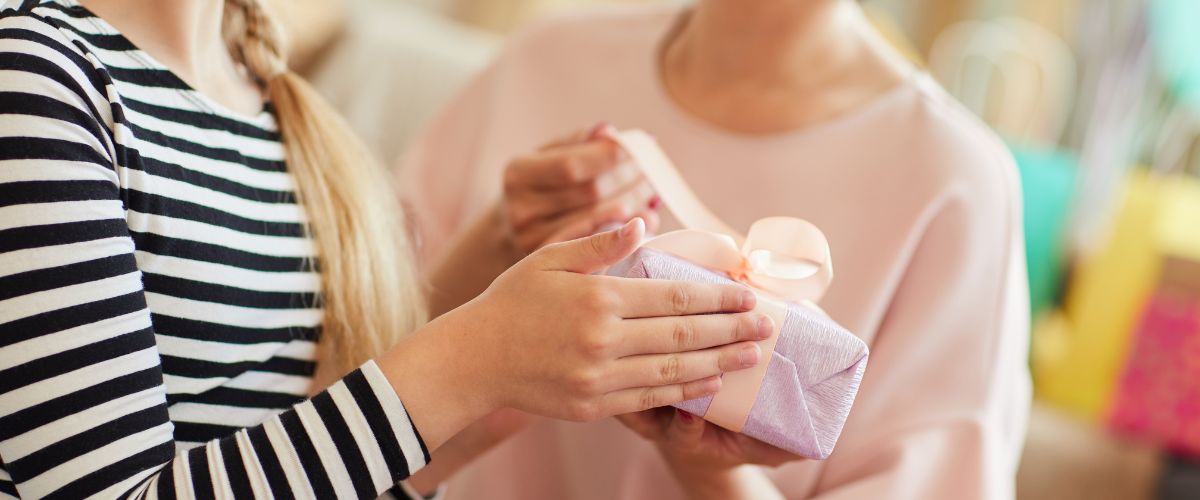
[(784, 259)]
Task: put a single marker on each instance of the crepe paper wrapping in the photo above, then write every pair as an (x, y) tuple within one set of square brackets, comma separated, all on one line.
[(1158, 395), (812, 376)]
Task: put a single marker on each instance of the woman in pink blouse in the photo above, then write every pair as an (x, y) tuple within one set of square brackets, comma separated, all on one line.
[(768, 107)]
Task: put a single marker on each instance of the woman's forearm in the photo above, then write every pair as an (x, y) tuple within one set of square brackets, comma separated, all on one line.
[(473, 262)]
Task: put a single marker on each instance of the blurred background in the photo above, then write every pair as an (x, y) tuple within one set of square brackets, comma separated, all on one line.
[(1099, 101)]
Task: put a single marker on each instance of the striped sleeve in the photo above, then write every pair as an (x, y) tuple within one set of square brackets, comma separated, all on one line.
[(83, 408)]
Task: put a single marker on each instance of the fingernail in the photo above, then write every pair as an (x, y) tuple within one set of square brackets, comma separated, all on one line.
[(748, 356), (765, 327), (655, 202), (631, 227), (748, 300), (684, 416)]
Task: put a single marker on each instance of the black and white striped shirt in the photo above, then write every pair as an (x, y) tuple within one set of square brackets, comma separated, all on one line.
[(158, 311)]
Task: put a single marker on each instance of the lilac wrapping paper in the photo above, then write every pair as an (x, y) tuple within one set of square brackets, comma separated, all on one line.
[(812, 377)]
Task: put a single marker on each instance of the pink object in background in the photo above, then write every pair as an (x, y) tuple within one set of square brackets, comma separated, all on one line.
[(1158, 396), (812, 376)]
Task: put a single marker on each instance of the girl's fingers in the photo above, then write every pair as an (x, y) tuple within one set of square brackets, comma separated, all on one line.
[(645, 398), (591, 254), (651, 370), (649, 298), (690, 333)]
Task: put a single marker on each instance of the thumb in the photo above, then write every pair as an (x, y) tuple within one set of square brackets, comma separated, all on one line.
[(595, 252)]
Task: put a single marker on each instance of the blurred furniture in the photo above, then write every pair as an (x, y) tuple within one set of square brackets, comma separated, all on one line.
[(1180, 480), (1065, 459), (1014, 74), (394, 65)]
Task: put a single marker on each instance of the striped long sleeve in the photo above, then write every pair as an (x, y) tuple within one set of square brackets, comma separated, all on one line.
[(89, 197)]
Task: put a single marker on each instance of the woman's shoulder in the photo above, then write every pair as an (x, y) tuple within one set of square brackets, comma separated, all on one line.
[(953, 149)]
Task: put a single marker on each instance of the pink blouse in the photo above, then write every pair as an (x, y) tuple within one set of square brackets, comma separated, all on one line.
[(920, 202)]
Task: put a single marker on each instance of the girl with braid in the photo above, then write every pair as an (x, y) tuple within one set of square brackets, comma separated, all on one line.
[(206, 289)]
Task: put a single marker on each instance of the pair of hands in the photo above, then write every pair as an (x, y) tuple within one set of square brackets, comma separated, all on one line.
[(569, 189)]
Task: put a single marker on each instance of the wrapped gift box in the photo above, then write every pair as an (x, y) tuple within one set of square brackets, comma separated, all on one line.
[(811, 378)]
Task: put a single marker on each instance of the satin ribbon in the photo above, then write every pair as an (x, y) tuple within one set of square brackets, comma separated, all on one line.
[(783, 259)]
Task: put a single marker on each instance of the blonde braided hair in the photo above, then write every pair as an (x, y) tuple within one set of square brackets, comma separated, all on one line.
[(369, 288)]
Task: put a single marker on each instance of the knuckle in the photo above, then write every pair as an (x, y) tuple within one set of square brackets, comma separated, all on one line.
[(670, 371), (583, 411), (513, 173), (518, 213), (731, 297), (586, 382), (598, 300), (648, 399), (570, 169), (596, 245), (683, 334), (591, 192), (597, 343), (743, 327), (681, 299)]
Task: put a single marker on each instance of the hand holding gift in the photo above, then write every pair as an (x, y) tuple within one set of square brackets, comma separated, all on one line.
[(799, 396)]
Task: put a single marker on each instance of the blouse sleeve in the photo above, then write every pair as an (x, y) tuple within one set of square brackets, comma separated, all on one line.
[(945, 400), (83, 408)]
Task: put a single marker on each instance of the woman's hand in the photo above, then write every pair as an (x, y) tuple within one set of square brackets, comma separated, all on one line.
[(707, 459), (570, 188), (550, 338)]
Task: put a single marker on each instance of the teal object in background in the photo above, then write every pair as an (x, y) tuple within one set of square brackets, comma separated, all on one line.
[(1176, 45), (1048, 179)]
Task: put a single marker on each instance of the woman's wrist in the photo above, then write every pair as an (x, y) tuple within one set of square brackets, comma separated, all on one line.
[(704, 482)]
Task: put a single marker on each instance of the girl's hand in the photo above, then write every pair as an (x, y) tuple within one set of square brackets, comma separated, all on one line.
[(556, 340), (549, 338), (570, 188), (690, 441)]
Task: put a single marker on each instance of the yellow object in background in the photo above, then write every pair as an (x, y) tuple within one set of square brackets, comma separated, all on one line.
[(1179, 231), (1077, 360)]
